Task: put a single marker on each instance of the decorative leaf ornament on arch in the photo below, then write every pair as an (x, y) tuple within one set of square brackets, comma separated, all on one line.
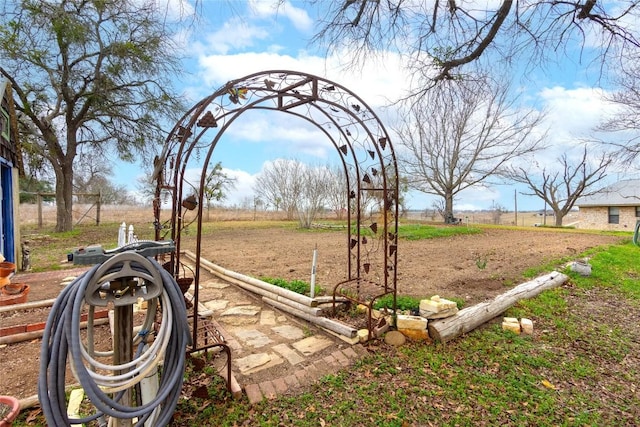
[(360, 139)]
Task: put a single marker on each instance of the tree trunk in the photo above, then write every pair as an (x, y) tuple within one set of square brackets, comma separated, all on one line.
[(64, 198), (559, 217), (448, 208), (470, 318)]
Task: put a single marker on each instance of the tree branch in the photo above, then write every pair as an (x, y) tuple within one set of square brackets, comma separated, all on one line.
[(500, 17)]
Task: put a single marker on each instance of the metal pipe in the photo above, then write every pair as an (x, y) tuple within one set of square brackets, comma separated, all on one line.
[(312, 291)]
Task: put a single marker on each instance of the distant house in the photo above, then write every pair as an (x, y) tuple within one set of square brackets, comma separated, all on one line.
[(616, 207), (9, 155)]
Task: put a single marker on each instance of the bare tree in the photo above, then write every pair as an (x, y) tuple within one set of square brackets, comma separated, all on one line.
[(337, 195), (92, 177), (441, 37), (280, 183), (560, 187), (461, 134), (438, 207), (496, 210), (315, 192), (88, 73)]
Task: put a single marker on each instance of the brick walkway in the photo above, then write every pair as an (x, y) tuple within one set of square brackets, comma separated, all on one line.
[(330, 364)]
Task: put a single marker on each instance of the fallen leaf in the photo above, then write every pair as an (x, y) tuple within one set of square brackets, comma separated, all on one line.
[(33, 415), (548, 385)]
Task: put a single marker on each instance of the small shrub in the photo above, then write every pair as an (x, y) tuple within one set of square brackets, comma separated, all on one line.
[(298, 286), (459, 302), (403, 302), (408, 303)]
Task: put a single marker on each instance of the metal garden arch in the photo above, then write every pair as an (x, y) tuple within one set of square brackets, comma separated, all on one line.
[(364, 147)]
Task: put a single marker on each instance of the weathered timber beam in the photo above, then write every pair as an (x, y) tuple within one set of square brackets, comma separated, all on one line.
[(470, 318)]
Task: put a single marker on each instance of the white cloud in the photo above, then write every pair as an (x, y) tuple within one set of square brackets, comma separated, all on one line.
[(298, 17), (283, 132), (479, 195), (216, 70), (243, 189), (573, 116), (378, 85), (233, 35), (176, 9), (575, 112)]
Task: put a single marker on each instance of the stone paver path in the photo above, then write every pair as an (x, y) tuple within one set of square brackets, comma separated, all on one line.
[(273, 352)]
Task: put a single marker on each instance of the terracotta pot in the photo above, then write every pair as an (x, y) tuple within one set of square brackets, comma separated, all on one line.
[(7, 299), (6, 268), (14, 409), (13, 288)]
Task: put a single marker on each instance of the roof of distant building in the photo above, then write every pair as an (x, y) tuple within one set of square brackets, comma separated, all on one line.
[(622, 193)]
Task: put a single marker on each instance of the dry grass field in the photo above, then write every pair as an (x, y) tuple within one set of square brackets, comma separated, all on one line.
[(140, 215)]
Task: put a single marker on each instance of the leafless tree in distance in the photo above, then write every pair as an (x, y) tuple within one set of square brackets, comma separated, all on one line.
[(93, 176), (337, 192), (280, 184), (217, 184), (316, 187), (561, 186), (462, 133)]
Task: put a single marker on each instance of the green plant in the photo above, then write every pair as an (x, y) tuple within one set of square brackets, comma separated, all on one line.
[(421, 231), (481, 263), (403, 302), (298, 286), (459, 302)]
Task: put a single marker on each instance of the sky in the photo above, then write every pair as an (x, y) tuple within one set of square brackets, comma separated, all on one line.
[(232, 39)]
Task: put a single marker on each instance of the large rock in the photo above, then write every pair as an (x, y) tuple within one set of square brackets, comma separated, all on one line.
[(395, 338)]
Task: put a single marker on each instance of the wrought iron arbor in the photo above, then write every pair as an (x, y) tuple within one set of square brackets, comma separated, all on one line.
[(364, 148)]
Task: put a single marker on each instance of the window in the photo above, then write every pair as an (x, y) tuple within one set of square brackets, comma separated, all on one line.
[(614, 215), (637, 211), (4, 124)]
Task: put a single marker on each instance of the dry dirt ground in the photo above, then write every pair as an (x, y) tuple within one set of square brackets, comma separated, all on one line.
[(449, 267)]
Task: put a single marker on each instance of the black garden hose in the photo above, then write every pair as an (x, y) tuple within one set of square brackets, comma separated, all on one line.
[(61, 341)]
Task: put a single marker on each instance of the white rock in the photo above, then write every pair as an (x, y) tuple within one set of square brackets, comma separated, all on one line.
[(411, 322), (436, 304), (527, 326)]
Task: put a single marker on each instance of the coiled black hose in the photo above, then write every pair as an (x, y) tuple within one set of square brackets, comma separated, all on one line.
[(61, 340)]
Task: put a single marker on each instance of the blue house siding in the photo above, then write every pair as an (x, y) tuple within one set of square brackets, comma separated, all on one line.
[(7, 237), (9, 229)]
